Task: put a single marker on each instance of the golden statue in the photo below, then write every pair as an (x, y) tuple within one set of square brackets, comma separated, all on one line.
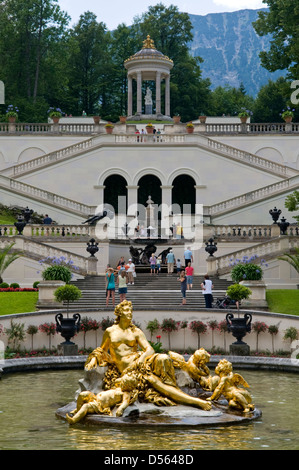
[(133, 371), (228, 386), (126, 351), (148, 43)]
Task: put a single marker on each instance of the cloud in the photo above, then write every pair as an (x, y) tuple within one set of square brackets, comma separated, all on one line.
[(239, 4)]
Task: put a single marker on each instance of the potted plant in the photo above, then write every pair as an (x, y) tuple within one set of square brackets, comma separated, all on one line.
[(12, 113), (122, 119), (109, 127), (190, 127), (55, 114), (149, 128), (287, 115), (238, 292), (202, 118), (176, 118), (244, 115)]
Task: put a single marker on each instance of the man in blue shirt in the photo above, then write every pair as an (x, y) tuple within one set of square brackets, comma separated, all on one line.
[(188, 256), (47, 220), (170, 259)]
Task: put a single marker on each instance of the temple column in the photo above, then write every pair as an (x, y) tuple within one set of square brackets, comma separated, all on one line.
[(130, 96), (139, 92), (167, 95), (158, 93)]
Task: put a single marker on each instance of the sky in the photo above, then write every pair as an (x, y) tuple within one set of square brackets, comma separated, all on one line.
[(115, 12)]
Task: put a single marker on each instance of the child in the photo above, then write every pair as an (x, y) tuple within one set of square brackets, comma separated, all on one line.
[(183, 281), (89, 403), (178, 266), (158, 265)]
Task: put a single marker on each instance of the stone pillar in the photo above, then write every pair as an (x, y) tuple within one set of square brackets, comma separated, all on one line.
[(139, 92), (167, 95), (166, 207), (158, 93), (100, 196), (130, 96), (132, 200)]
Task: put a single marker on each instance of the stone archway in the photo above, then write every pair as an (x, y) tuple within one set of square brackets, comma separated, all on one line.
[(184, 193), (115, 186)]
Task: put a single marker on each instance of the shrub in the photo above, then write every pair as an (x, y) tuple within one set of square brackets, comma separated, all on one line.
[(199, 328), (35, 285), (67, 294), (4, 285), (15, 285), (57, 273), (238, 292)]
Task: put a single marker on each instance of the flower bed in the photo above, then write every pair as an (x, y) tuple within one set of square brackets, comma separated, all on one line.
[(18, 289)]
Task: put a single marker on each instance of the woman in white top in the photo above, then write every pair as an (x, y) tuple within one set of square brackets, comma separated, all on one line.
[(207, 287)]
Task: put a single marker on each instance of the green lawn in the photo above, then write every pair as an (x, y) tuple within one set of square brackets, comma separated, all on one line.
[(17, 302), (7, 219), (283, 301)]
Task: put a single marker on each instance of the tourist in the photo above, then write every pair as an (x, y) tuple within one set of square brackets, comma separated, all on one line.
[(189, 274), (121, 261), (138, 134), (152, 261), (188, 256), (170, 259), (183, 281), (47, 220), (122, 284), (131, 272), (110, 289), (207, 287)]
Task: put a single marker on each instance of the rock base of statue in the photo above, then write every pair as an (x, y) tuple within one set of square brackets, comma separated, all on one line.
[(148, 414)]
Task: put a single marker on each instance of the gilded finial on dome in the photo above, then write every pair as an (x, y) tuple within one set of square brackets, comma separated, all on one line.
[(148, 43)]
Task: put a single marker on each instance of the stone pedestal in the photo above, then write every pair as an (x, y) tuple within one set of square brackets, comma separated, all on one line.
[(239, 349), (92, 266), (46, 298), (67, 349), (258, 297)]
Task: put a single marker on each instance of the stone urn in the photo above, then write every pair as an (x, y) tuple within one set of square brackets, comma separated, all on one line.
[(202, 119), (176, 119), (239, 327), (109, 128), (96, 119), (67, 327)]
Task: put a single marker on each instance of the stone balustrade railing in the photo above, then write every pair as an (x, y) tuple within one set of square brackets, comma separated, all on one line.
[(208, 128), (46, 196), (266, 250), (41, 251), (256, 195)]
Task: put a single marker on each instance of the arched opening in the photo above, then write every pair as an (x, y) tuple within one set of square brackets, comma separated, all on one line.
[(115, 186), (149, 185), (184, 193)]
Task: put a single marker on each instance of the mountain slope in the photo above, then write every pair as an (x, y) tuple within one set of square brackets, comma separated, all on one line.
[(230, 48)]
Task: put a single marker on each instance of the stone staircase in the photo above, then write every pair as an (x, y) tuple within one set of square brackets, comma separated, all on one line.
[(154, 292)]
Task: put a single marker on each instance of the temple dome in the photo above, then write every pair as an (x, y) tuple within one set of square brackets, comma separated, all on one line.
[(148, 51)]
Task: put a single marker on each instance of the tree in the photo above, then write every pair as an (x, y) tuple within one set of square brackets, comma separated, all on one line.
[(29, 30), (282, 22), (271, 100), (229, 101), (88, 65), (292, 203), (6, 258), (67, 293)]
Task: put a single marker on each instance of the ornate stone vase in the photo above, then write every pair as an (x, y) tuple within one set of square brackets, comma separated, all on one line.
[(190, 130), (149, 129), (239, 326), (68, 327), (176, 119), (96, 119)]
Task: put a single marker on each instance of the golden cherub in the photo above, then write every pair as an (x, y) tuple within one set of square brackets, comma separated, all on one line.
[(102, 403), (228, 386)]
